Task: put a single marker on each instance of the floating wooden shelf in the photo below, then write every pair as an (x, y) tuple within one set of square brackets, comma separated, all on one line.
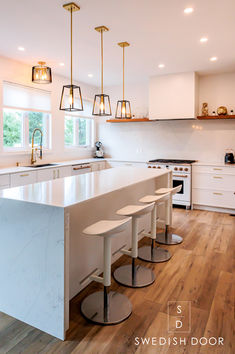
[(132, 120), (216, 117)]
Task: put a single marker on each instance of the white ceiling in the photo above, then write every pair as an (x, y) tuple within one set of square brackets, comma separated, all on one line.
[(158, 31)]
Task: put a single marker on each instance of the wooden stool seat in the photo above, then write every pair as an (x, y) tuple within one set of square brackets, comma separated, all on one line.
[(168, 190), (106, 227), (136, 210), (154, 198)]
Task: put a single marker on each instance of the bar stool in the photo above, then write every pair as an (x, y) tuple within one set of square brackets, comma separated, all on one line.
[(167, 237), (132, 275), (104, 307), (154, 254)]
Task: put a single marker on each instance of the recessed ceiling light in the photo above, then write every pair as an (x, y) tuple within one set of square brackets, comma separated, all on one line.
[(161, 66), (21, 49), (90, 75), (213, 58), (203, 39), (188, 10), (61, 64)]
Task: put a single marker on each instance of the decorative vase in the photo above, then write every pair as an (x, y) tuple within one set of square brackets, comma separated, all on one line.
[(222, 111)]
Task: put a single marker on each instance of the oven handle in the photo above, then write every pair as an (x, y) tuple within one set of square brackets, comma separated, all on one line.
[(181, 176)]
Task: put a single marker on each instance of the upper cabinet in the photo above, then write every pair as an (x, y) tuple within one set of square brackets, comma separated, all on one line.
[(173, 96)]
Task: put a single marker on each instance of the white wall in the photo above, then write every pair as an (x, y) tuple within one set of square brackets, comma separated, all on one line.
[(19, 73), (200, 140)]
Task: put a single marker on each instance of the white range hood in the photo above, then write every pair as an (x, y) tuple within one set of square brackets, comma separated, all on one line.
[(173, 96)]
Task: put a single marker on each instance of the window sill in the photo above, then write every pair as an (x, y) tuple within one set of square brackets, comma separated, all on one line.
[(76, 148), (21, 152)]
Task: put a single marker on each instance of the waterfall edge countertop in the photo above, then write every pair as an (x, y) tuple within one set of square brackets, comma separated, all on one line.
[(72, 190)]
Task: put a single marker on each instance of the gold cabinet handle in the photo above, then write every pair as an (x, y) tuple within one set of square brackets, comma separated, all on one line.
[(217, 169), (217, 193), (218, 177), (25, 175)]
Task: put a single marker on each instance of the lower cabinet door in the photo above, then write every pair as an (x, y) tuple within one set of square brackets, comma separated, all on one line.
[(23, 178), (46, 174), (4, 181), (64, 171), (214, 198)]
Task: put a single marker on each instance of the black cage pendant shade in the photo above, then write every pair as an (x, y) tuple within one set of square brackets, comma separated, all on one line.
[(41, 74), (123, 109), (101, 106), (71, 97)]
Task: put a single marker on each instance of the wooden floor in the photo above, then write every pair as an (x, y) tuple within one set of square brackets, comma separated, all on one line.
[(200, 272)]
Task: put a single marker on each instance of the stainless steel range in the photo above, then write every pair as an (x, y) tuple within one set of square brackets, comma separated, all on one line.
[(182, 175)]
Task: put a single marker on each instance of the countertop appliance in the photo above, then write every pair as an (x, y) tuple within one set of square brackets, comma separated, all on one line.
[(229, 157), (99, 153), (80, 169), (182, 175)]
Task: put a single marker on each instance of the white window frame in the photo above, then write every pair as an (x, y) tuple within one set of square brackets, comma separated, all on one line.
[(26, 146), (92, 131)]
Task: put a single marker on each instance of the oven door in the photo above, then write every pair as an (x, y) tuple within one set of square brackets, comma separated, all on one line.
[(185, 194)]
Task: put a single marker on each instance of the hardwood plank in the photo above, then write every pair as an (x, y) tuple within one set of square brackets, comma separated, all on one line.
[(221, 318)]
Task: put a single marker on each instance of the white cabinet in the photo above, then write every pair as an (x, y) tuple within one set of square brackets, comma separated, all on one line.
[(112, 164), (49, 174), (173, 96), (23, 178), (4, 181), (64, 171), (214, 186), (98, 166)]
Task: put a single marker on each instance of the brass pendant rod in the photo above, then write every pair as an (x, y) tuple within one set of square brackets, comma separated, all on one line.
[(123, 72), (102, 63), (71, 44)]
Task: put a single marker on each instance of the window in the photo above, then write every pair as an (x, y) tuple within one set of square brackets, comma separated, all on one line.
[(25, 109), (79, 127)]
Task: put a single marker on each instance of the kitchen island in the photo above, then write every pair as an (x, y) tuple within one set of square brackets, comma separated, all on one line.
[(45, 259)]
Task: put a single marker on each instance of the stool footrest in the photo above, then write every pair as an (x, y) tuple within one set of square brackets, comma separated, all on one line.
[(124, 251), (90, 276), (146, 234), (97, 278)]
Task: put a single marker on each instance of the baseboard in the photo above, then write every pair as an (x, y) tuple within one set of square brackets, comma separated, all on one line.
[(208, 208)]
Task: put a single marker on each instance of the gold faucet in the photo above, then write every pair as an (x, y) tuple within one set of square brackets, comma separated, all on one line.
[(34, 149)]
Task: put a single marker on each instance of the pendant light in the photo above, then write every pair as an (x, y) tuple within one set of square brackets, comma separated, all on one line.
[(71, 98), (101, 106), (41, 74), (123, 109)]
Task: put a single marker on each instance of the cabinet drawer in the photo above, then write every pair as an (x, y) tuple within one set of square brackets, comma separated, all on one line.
[(214, 198), (230, 170), (224, 182), (23, 178), (4, 181)]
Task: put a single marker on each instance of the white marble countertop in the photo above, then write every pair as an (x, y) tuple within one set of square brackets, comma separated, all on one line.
[(219, 164), (67, 191), (10, 170)]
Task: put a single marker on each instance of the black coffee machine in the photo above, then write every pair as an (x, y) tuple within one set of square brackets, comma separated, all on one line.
[(229, 157)]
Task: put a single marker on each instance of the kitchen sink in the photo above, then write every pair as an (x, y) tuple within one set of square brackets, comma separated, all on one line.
[(43, 165)]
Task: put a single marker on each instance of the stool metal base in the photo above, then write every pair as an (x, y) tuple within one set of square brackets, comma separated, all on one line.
[(119, 308), (153, 254), (134, 276), (168, 238)]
